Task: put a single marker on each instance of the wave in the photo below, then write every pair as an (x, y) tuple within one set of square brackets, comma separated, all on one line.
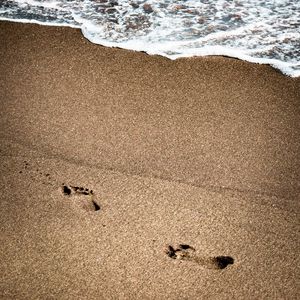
[(265, 32)]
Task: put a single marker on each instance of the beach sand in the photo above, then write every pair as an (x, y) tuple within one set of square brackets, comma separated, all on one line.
[(129, 176)]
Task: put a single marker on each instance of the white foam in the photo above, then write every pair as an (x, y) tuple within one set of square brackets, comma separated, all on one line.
[(39, 22)]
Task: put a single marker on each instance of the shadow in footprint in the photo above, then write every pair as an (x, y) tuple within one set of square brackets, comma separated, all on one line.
[(186, 252), (223, 261), (96, 206), (82, 197), (66, 190)]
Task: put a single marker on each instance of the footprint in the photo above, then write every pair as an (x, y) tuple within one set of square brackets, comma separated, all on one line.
[(82, 197), (188, 253)]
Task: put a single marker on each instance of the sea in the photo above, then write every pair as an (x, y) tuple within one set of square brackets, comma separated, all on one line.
[(259, 31)]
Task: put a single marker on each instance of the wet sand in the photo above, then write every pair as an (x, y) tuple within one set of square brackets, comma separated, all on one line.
[(128, 176)]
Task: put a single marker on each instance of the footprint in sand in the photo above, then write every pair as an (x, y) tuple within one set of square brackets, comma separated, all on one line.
[(82, 197), (188, 253)]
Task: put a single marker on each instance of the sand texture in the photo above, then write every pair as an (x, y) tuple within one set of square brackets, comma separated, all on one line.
[(128, 176)]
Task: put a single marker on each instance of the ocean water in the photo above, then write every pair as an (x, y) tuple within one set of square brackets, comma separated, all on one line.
[(266, 32)]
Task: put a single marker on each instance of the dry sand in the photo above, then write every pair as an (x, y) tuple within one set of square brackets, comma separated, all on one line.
[(111, 159)]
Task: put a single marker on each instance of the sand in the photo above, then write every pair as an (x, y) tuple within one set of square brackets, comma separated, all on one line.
[(128, 176)]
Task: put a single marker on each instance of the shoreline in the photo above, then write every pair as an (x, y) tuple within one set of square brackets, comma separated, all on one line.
[(130, 176), (248, 59)]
